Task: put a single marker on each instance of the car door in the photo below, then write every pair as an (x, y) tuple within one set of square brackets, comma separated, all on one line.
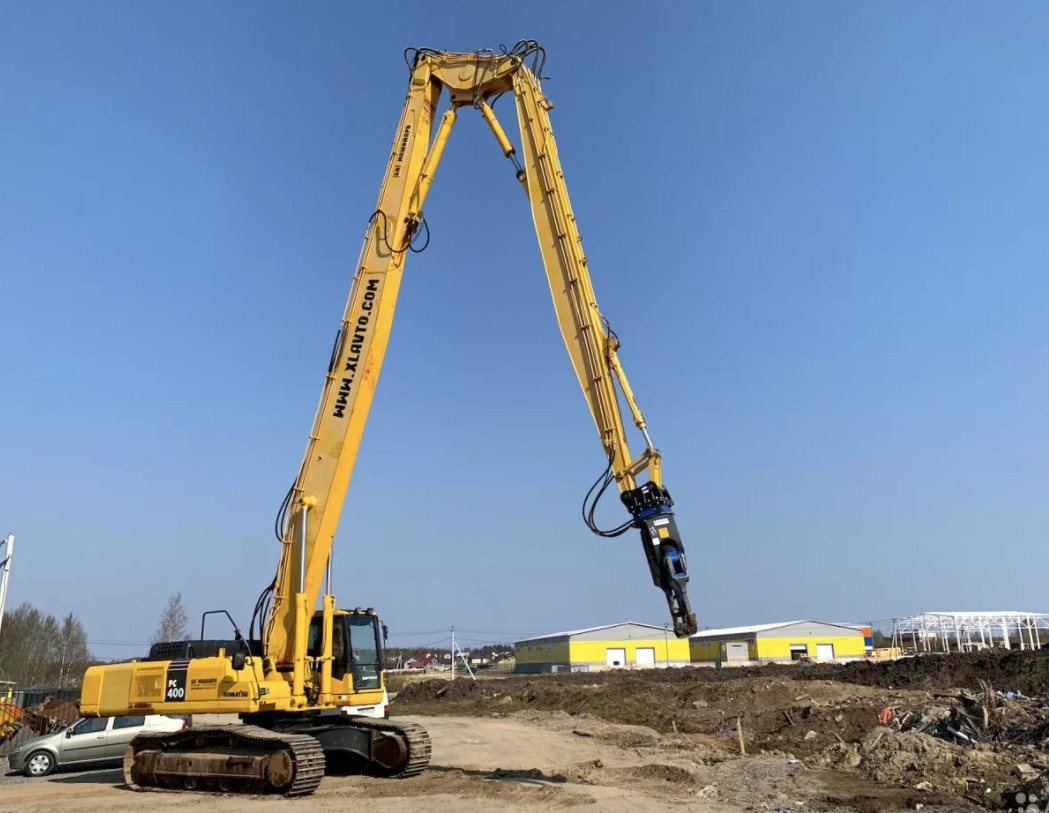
[(121, 733), (85, 741)]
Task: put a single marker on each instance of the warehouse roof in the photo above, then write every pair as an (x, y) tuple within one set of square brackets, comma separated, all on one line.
[(756, 628), (589, 629), (745, 630)]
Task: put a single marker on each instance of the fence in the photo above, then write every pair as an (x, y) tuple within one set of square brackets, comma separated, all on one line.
[(35, 721), (27, 698)]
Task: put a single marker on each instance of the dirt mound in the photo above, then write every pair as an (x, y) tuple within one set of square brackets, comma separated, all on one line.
[(1026, 672), (774, 714), (905, 728), (925, 763), (1009, 670), (909, 759), (655, 772)]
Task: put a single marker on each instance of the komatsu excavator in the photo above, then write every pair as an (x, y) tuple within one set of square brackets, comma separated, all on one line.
[(307, 664)]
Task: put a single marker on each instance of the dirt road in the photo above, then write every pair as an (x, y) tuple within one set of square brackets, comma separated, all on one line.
[(538, 762), (478, 765)]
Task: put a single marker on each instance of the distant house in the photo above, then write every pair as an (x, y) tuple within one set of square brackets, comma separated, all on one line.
[(420, 661)]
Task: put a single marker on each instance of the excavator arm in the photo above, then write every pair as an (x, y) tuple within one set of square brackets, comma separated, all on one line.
[(593, 346), (309, 517)]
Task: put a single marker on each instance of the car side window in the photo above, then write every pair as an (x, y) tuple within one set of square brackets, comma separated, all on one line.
[(128, 722), (92, 725)]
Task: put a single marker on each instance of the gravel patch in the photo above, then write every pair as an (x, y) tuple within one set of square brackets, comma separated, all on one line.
[(105, 774)]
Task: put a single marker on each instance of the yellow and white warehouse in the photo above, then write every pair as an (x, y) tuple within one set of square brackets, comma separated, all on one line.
[(629, 645), (781, 642)]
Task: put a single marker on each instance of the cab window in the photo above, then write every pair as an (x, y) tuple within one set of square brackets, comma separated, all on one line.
[(315, 639), (364, 650), (338, 647)]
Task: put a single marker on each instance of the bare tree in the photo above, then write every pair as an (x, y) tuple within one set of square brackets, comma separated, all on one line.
[(73, 652), (38, 650), (172, 622)]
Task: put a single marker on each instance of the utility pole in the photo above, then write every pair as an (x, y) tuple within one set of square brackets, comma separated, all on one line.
[(666, 645), (5, 563), (461, 654)]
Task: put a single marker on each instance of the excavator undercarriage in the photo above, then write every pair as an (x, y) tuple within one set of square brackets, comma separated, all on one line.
[(290, 756)]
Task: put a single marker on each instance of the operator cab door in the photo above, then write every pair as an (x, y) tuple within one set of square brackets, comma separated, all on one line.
[(340, 683), (355, 653), (86, 740)]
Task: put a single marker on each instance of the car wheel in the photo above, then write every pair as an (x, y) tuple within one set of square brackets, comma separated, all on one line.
[(39, 763)]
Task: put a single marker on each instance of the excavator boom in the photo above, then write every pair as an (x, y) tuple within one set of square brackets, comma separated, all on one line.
[(395, 230), (301, 687)]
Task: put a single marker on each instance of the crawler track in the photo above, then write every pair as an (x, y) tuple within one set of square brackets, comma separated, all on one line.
[(305, 757), (252, 759), (415, 737)]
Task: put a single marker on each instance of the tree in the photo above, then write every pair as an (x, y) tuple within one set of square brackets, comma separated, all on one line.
[(73, 651), (38, 650), (172, 622)]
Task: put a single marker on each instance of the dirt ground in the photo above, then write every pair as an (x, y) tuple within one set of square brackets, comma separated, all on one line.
[(538, 761), (669, 740), (873, 725)]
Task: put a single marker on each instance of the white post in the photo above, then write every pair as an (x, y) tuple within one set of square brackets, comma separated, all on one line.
[(9, 546), (453, 653)]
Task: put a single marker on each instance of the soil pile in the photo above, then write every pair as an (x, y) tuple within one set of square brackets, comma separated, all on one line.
[(945, 727), (1024, 671)]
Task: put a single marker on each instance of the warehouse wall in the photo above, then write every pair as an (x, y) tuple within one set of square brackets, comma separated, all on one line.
[(774, 644), (845, 646), (710, 651), (592, 653), (588, 648), (535, 653)]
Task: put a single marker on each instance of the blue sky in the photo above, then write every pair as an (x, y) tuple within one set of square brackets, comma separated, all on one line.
[(819, 230)]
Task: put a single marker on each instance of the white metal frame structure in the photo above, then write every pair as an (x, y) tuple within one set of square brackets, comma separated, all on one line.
[(7, 548), (941, 631)]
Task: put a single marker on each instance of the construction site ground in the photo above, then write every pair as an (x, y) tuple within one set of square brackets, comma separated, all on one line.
[(669, 739)]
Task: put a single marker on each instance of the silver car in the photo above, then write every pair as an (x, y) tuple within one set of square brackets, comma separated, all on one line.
[(89, 741)]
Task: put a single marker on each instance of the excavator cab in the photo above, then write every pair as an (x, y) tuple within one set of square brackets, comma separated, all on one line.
[(356, 651)]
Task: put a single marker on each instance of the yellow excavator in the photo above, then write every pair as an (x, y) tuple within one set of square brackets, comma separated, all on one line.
[(300, 683)]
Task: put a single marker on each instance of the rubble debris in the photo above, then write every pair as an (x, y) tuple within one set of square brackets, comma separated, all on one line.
[(958, 733), (43, 718)]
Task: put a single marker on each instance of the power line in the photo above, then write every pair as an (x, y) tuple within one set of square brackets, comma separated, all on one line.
[(118, 643)]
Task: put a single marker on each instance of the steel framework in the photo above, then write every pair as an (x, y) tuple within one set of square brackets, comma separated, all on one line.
[(939, 631)]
